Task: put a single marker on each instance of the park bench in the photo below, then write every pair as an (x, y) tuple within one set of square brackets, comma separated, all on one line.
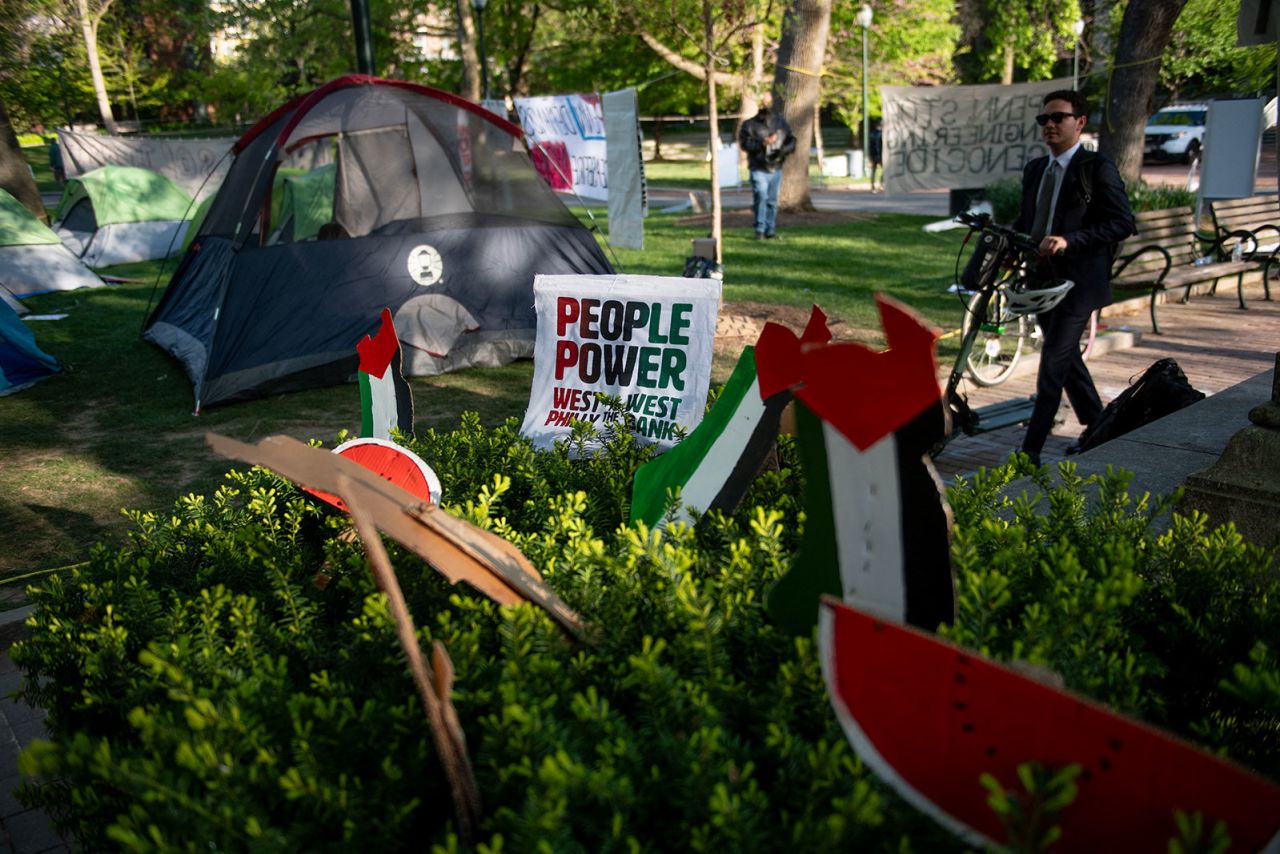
[(1258, 215), (1169, 252)]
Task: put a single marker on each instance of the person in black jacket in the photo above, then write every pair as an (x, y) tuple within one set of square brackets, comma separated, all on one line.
[(875, 152), (1077, 219), (767, 140)]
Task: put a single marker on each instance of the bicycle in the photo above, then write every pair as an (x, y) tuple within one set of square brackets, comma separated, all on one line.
[(999, 313)]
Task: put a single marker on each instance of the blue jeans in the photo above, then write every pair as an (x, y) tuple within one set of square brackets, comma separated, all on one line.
[(764, 199)]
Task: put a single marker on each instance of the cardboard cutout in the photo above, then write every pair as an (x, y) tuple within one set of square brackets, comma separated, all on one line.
[(390, 462), (877, 530), (386, 401), (929, 718), (458, 550), (715, 464)]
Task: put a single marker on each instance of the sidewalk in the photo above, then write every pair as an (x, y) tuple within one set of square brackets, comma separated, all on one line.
[(22, 830), (1217, 346)]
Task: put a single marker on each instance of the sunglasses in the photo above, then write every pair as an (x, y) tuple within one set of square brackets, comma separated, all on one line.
[(1057, 118)]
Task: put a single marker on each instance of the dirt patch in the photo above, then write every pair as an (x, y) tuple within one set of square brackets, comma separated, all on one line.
[(744, 219), (740, 324)]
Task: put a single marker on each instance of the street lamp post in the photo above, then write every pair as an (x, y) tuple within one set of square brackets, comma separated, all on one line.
[(478, 5), (864, 20), (1077, 27)]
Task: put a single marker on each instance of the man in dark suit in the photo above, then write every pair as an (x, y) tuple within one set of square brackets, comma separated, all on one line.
[(1074, 206)]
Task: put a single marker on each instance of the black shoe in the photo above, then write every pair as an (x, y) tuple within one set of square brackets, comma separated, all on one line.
[(1073, 449), (1034, 456), (773, 237), (759, 235)]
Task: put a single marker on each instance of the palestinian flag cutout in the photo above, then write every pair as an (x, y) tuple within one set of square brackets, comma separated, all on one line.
[(385, 398), (715, 465), (388, 460), (929, 718), (877, 530)]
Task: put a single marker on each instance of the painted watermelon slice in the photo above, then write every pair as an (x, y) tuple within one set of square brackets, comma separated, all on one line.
[(929, 718), (388, 460)]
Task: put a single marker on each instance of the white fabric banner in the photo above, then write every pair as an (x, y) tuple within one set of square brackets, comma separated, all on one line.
[(186, 162), (960, 137), (645, 339), (627, 199), (566, 136)]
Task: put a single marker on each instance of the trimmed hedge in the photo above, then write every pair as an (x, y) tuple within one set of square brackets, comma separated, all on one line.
[(231, 678), (1005, 196)]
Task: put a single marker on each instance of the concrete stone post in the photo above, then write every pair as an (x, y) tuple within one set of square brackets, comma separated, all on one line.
[(1243, 486)]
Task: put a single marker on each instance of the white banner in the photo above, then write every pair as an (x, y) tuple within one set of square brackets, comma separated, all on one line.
[(645, 339), (627, 202), (960, 137), (186, 162), (566, 137)]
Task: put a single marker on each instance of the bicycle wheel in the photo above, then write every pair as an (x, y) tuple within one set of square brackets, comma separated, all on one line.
[(999, 340)]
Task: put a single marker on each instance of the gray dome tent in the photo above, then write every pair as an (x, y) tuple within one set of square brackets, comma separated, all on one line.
[(437, 214)]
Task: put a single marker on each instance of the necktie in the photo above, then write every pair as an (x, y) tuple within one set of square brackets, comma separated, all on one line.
[(1044, 202)]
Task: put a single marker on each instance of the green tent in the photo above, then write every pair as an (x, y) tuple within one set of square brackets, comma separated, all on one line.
[(19, 227), (125, 194), (119, 214), (32, 258)]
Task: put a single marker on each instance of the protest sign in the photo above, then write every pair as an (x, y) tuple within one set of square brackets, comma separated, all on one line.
[(644, 339), (958, 137), (566, 136), (627, 202)]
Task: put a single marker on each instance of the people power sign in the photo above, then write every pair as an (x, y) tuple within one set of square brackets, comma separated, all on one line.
[(959, 137), (644, 339), (566, 137)]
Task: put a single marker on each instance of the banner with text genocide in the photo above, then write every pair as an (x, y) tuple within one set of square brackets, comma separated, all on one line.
[(960, 137), (566, 137), (644, 339)]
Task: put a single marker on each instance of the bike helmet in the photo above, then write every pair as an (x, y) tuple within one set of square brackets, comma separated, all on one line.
[(1035, 300)]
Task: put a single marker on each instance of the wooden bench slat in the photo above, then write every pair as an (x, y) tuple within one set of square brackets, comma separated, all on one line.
[(1175, 231)]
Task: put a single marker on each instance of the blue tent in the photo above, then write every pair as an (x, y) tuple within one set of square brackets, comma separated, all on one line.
[(22, 362)]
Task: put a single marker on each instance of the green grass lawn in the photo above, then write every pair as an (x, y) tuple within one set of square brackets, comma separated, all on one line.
[(117, 430), (38, 159), (692, 173)]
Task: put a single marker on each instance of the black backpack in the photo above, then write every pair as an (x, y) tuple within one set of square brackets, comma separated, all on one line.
[(1163, 388)]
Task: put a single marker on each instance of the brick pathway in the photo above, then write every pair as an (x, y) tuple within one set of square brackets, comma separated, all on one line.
[(1216, 344), (22, 830)]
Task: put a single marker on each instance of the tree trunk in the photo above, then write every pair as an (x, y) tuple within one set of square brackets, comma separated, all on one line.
[(1144, 32), (89, 28), (15, 174), (804, 45), (467, 47), (1006, 76), (713, 131)]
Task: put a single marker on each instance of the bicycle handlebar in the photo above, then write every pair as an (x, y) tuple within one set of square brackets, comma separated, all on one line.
[(983, 222)]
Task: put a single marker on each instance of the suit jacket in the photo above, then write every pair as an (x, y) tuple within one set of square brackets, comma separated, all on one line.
[(1092, 228)]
